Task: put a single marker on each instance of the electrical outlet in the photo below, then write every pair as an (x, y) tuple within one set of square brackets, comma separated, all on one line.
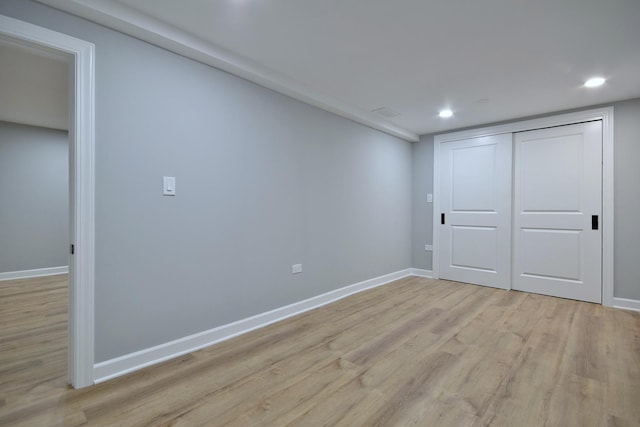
[(428, 247), (296, 268)]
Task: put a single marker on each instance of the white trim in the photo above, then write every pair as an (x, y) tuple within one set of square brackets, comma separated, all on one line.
[(118, 366), (419, 272), (37, 272), (125, 19), (607, 207), (435, 245), (525, 125), (606, 115), (81, 131), (626, 304)]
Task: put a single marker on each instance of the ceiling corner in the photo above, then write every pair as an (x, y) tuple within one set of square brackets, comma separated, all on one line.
[(129, 21)]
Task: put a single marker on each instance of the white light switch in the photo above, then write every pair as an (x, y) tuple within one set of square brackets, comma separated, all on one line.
[(296, 268), (168, 185), (429, 198)]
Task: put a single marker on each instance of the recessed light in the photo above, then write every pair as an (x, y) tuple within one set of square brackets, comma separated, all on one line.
[(445, 113), (594, 82)]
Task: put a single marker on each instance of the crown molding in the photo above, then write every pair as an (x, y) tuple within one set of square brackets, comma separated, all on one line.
[(129, 21)]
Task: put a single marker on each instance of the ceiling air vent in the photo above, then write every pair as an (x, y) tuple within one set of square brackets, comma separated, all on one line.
[(385, 112)]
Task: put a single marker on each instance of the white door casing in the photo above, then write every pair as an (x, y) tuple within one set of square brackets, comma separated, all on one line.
[(81, 135), (557, 195), (475, 203)]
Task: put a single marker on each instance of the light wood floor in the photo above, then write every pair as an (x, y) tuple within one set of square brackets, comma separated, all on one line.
[(414, 352)]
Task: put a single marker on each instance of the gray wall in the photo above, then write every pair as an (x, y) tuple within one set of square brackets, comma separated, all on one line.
[(34, 208), (626, 204), (627, 199), (263, 182), (422, 224)]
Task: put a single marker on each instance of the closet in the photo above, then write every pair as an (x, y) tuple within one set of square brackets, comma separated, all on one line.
[(522, 210)]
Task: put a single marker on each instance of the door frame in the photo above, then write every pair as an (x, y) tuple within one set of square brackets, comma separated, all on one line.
[(606, 115), (82, 144)]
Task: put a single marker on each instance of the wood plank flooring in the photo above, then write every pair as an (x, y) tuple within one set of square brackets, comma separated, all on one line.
[(413, 352)]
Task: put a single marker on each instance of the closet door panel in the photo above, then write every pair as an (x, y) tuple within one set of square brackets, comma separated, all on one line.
[(557, 209), (475, 194)]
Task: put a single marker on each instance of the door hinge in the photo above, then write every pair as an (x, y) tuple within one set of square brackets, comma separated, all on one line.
[(442, 218), (594, 222), (73, 249)]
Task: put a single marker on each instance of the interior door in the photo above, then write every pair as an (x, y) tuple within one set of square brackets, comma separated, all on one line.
[(475, 196), (557, 211)]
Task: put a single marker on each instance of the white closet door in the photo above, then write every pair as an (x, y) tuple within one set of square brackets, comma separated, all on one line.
[(557, 206), (475, 194)]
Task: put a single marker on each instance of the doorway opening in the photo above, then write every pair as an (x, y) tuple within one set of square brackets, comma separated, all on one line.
[(34, 216), (78, 55)]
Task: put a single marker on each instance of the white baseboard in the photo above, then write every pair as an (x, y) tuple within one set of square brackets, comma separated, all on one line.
[(421, 273), (118, 366), (38, 272), (627, 304)]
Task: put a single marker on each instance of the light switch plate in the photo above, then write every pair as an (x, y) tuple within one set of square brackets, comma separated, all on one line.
[(429, 198), (296, 268), (168, 185)]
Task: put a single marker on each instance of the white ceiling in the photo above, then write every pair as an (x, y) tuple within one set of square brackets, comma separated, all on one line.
[(487, 60), (33, 86)]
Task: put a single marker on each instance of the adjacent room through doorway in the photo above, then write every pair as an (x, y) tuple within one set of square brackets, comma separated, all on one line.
[(34, 215)]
